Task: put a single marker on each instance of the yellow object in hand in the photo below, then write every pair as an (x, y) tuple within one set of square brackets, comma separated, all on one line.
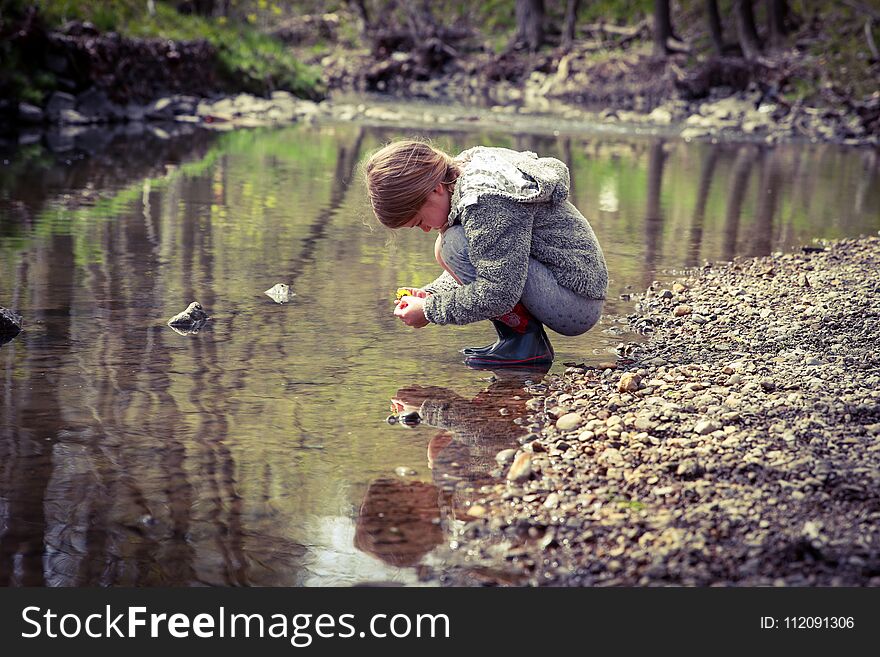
[(403, 292)]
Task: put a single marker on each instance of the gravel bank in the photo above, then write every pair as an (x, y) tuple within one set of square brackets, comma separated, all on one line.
[(739, 445)]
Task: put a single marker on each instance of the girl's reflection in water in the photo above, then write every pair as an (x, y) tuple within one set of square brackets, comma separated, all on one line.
[(400, 520)]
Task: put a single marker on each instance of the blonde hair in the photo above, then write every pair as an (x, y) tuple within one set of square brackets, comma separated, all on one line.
[(401, 175)]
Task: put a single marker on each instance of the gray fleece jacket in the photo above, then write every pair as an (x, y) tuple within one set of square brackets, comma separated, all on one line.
[(514, 206)]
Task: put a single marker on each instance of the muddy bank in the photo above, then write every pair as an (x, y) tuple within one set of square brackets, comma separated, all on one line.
[(78, 75), (738, 445), (717, 97), (720, 99)]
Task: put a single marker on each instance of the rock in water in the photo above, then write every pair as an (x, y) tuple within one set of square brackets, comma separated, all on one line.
[(190, 320), (280, 293), (10, 324)]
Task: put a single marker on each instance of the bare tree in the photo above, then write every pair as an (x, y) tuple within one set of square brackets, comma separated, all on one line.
[(715, 29), (745, 29), (359, 7), (570, 26), (529, 25), (662, 27), (777, 12)]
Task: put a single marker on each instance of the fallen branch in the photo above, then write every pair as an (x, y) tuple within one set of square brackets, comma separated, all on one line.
[(622, 30), (870, 37)]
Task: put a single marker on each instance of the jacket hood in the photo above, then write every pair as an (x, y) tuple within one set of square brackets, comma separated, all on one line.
[(520, 176)]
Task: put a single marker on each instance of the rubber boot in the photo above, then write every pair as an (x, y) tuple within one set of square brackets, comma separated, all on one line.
[(521, 341), (504, 333)]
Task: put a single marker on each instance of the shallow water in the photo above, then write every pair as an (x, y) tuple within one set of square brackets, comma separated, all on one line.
[(257, 451)]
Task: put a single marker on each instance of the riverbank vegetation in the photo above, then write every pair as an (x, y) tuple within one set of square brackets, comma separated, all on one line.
[(619, 54), (238, 55), (790, 68)]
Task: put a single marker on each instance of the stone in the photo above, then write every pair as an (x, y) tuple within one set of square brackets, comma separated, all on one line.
[(32, 114), (477, 511), (706, 426), (72, 117), (629, 382), (689, 468), (521, 470), (612, 457), (569, 422), (660, 116), (190, 320), (10, 323), (59, 101), (678, 288), (134, 112), (682, 310), (280, 293), (93, 103), (505, 456), (552, 501)]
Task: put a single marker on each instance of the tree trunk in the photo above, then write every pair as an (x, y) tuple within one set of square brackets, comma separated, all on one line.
[(359, 8), (204, 7), (529, 24), (714, 18), (662, 27), (745, 29), (776, 14), (570, 26)]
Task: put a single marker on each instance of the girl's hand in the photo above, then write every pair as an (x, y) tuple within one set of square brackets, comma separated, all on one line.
[(411, 311)]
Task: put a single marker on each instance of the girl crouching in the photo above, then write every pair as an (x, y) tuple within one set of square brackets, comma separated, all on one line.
[(514, 250)]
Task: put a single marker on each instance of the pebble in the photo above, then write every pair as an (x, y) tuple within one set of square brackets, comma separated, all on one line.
[(521, 470), (629, 382), (682, 310), (505, 456), (704, 473), (569, 421), (704, 427)]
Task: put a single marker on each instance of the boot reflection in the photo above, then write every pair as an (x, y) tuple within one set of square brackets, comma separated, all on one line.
[(401, 521), (474, 430)]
